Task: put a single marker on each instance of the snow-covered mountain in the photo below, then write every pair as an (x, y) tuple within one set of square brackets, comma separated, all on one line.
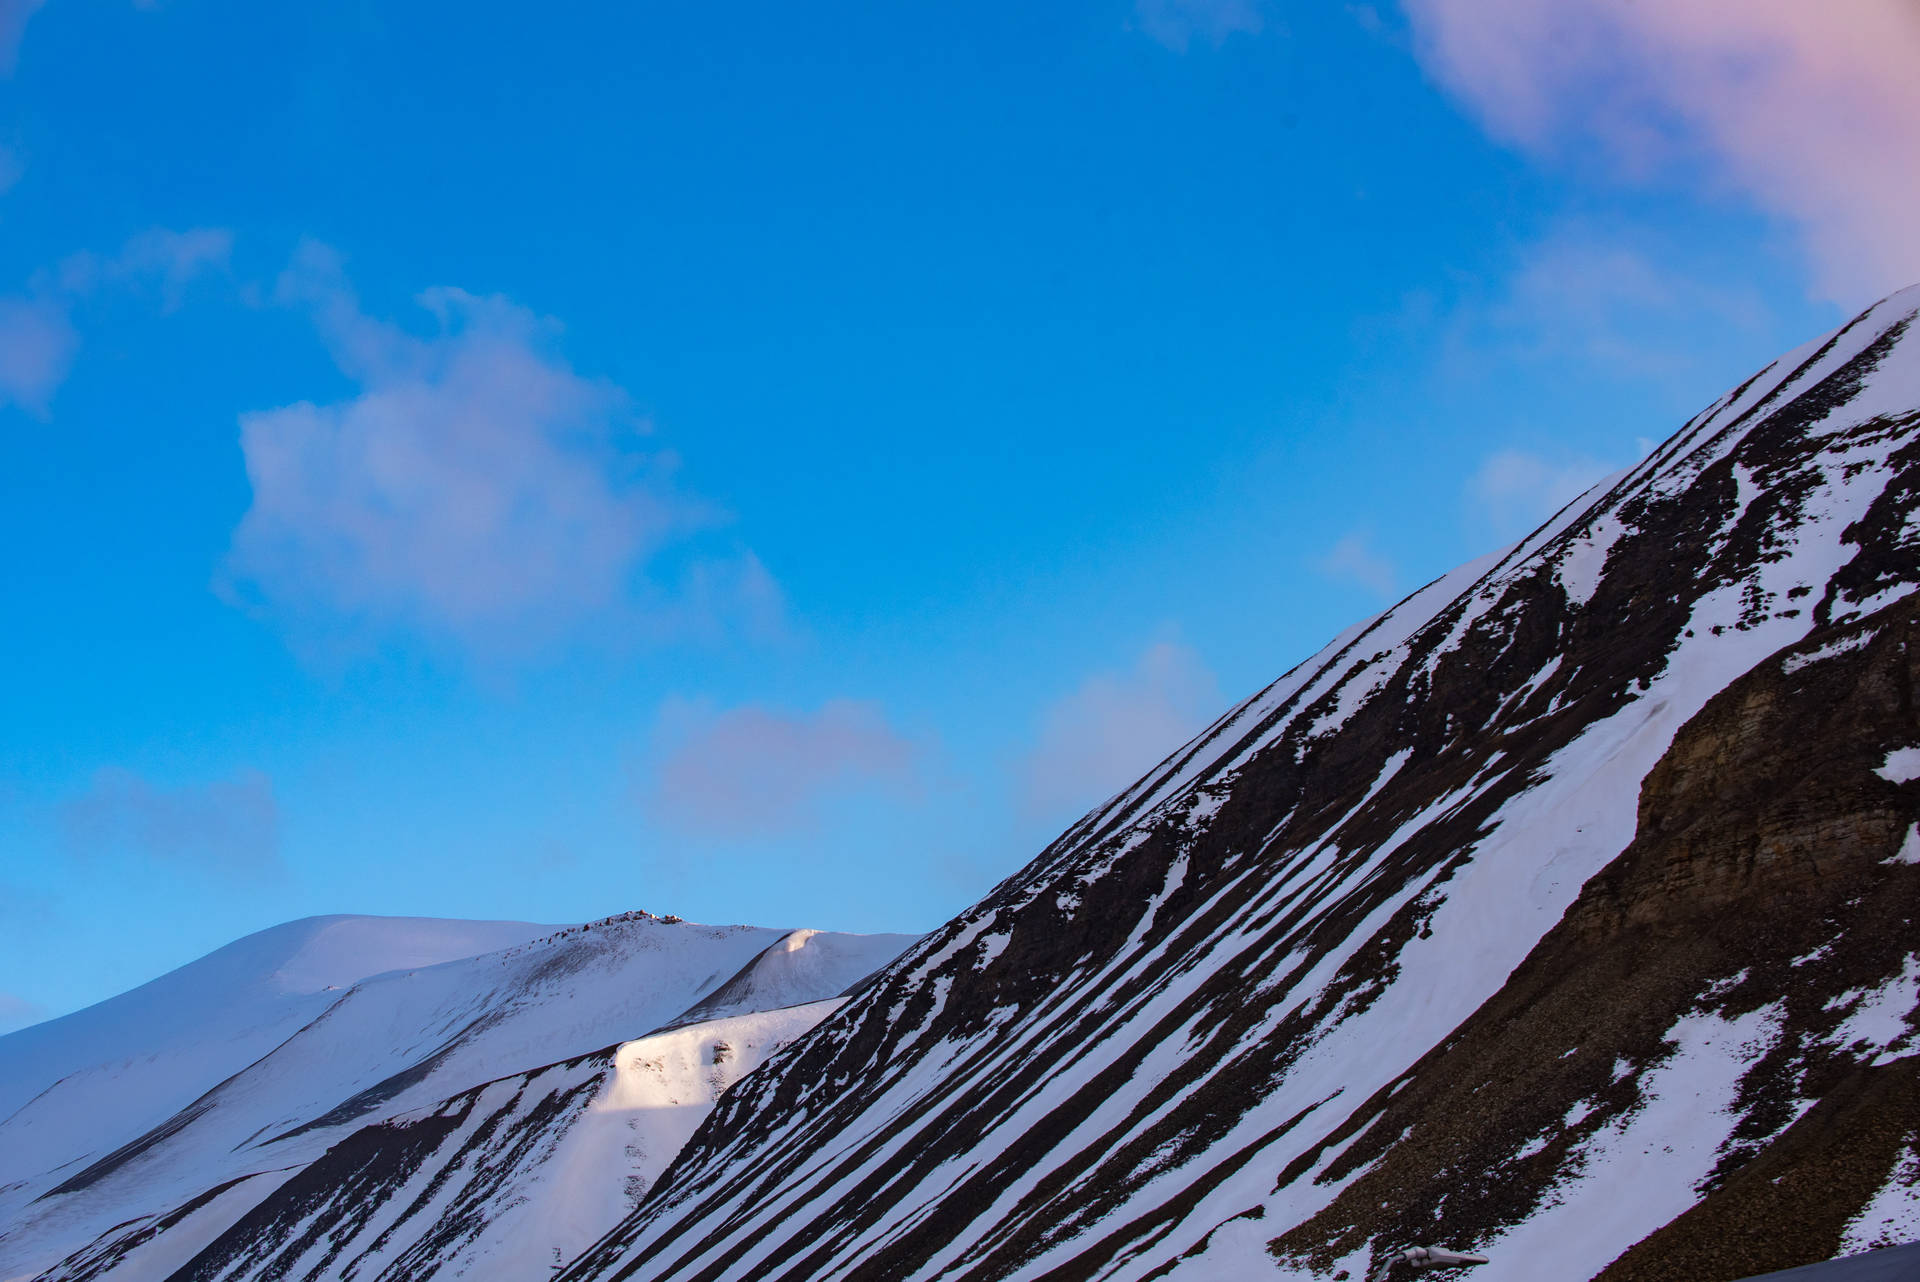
[(146, 1126), (1564, 912), (183, 1033), (509, 1180)]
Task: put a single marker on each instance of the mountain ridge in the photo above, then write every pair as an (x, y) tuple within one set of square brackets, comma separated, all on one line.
[(81, 1189), (1129, 1061), (284, 961)]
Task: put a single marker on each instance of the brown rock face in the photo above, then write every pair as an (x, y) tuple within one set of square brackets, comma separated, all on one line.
[(1765, 876), (1771, 791)]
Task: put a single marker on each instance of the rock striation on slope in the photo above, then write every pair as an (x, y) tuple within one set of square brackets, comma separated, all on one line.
[(510, 1179), (259, 1079), (1563, 912)]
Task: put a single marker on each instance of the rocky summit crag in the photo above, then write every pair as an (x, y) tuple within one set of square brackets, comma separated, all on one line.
[(1564, 912)]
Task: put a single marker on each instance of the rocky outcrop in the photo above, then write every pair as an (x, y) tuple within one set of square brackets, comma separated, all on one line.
[(1766, 878)]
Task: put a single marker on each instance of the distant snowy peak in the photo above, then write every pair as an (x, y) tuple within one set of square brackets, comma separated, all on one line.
[(214, 1016), (231, 1077), (1311, 990), (338, 952), (798, 968), (505, 1180)]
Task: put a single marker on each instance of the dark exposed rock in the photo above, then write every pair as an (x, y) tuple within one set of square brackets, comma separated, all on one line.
[(1764, 860), (1304, 984)]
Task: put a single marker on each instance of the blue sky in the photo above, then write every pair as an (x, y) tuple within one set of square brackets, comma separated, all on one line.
[(782, 465)]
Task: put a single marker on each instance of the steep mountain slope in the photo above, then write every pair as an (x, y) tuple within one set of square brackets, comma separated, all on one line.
[(1565, 906), (391, 1044)]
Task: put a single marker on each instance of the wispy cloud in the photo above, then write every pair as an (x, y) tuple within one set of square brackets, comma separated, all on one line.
[(1114, 727), (756, 772), (13, 24), (18, 1012), (1585, 317), (1812, 113), (1353, 560), (1599, 303), (1513, 491), (1177, 24), (1612, 306), (160, 258), (37, 345), (229, 827), (38, 336), (475, 489)]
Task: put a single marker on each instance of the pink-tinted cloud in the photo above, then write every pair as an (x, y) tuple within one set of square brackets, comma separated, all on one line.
[(1353, 560), (229, 827), (1115, 727), (13, 23), (1813, 112), (1178, 23), (755, 772), (37, 344), (475, 489)]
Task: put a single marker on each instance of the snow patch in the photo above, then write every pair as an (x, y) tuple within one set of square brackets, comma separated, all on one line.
[(1831, 650), (1909, 852), (1892, 1217), (1583, 564), (1641, 1170), (1880, 1018), (1901, 766)]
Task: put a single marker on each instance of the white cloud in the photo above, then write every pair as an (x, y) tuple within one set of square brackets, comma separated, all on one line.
[(37, 343), (757, 772), (1810, 111), (230, 826), (474, 489), (1176, 24), (1353, 559), (1514, 491), (1115, 727)]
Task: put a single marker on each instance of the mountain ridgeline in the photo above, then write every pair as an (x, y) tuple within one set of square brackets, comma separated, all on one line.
[(1564, 912), (358, 1095)]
